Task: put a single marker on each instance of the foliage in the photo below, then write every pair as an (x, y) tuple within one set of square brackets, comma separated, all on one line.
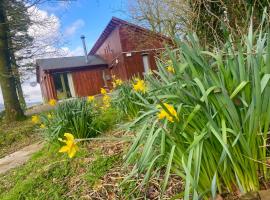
[(80, 117), (214, 21), (72, 116), (107, 119), (127, 100), (217, 141)]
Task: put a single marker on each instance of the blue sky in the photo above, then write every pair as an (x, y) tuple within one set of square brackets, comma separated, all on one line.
[(88, 17)]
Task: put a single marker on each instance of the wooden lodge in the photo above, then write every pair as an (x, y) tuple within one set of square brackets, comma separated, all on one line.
[(123, 49)]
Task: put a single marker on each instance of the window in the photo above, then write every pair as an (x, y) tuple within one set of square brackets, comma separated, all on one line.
[(146, 63)]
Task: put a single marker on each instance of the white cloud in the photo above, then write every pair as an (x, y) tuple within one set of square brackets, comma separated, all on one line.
[(46, 33), (78, 51), (76, 25), (59, 6)]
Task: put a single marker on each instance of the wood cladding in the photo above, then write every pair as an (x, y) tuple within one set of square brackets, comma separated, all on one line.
[(88, 82), (121, 39), (47, 86)]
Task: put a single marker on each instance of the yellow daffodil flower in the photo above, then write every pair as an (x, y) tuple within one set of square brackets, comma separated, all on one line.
[(42, 126), (117, 82), (140, 86), (90, 98), (103, 91), (106, 101), (35, 119), (49, 116), (170, 69), (52, 102), (164, 113), (71, 147)]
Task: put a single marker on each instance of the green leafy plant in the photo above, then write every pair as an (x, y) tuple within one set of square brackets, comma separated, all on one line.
[(218, 140), (74, 116), (107, 119), (82, 118), (128, 101)]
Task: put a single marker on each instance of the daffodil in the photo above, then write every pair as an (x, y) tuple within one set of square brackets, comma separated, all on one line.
[(106, 101), (103, 91), (49, 116), (140, 86), (90, 98), (35, 119), (71, 147), (52, 102), (42, 126), (117, 82), (170, 113), (170, 69)]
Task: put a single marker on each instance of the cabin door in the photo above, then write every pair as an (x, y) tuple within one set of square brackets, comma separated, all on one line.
[(61, 85), (71, 85)]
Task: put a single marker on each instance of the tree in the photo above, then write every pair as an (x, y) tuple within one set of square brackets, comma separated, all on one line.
[(168, 17), (19, 38), (213, 21), (13, 109)]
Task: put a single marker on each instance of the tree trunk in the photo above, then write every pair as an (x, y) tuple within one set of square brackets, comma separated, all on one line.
[(17, 78), (13, 109), (19, 87)]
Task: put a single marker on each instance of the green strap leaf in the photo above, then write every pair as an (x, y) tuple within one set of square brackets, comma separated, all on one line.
[(238, 89)]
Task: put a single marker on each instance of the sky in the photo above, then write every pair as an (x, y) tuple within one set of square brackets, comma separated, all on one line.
[(87, 17)]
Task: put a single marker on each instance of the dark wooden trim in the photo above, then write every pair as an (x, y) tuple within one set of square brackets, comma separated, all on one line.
[(74, 69)]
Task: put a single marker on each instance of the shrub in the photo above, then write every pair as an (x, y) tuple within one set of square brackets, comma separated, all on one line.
[(217, 140)]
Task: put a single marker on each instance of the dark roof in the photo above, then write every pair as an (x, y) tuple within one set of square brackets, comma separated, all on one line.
[(54, 64), (112, 25)]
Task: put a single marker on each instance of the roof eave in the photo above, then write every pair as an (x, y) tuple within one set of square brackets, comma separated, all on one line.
[(76, 68)]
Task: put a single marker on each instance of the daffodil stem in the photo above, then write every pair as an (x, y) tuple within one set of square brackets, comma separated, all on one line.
[(106, 138)]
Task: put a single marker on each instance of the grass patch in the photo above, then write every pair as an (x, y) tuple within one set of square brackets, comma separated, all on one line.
[(51, 175), (16, 135), (100, 166)]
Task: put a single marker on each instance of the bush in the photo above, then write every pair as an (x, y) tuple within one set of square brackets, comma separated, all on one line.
[(208, 119)]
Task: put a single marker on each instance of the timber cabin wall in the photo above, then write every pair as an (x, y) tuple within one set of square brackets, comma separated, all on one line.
[(110, 50), (88, 82), (136, 41), (47, 86)]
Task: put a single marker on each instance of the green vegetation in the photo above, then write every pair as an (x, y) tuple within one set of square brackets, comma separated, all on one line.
[(81, 118), (128, 101), (16, 135), (51, 175), (208, 119), (100, 166)]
